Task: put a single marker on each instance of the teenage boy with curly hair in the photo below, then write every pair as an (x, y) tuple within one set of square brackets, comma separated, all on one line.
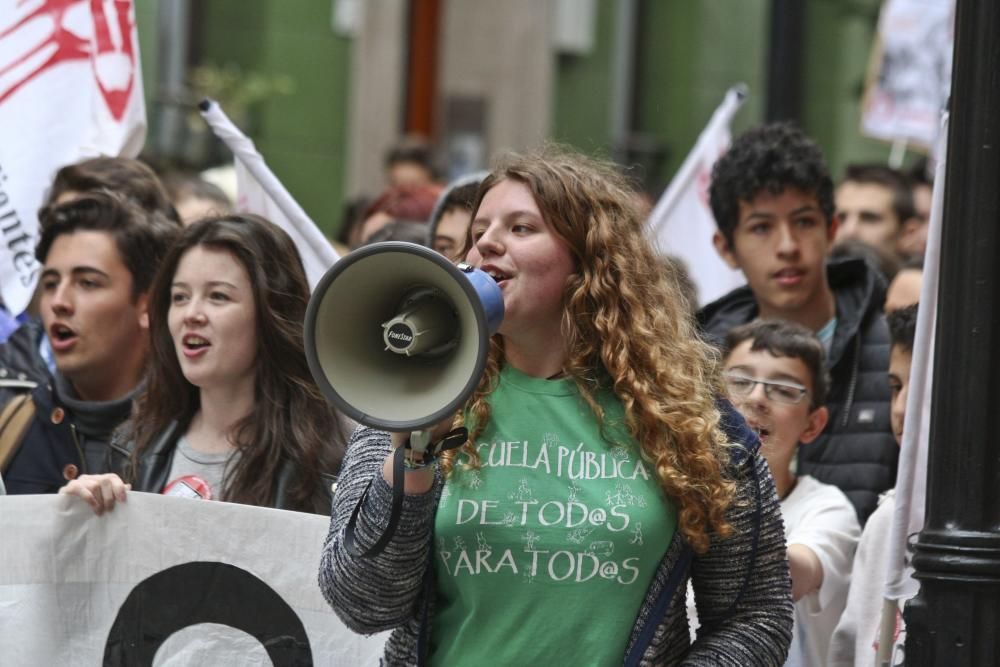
[(772, 198)]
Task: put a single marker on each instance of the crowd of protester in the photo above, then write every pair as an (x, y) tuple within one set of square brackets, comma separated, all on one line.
[(164, 353)]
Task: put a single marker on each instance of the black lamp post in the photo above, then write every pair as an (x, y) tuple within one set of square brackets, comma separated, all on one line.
[(955, 619)]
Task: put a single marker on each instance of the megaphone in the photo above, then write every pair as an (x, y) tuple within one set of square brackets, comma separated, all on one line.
[(397, 336)]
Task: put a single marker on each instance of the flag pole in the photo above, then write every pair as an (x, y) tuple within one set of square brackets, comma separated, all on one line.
[(245, 151), (898, 153), (886, 633)]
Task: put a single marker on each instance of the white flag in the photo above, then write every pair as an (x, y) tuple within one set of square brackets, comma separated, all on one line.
[(911, 476), (682, 224), (70, 88), (259, 191)]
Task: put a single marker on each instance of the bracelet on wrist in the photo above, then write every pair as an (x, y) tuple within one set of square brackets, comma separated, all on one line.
[(410, 462), (413, 460)]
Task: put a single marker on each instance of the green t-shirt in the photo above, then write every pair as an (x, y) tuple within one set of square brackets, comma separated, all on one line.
[(545, 554)]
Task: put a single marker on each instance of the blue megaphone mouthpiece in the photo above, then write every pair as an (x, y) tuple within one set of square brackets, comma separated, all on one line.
[(489, 294)]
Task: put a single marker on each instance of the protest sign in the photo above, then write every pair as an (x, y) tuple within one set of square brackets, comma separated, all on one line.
[(910, 76)]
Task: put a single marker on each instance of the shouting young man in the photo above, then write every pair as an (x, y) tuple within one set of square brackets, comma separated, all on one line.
[(99, 252)]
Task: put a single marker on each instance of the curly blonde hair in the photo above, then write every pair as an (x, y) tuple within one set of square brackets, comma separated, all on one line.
[(626, 317)]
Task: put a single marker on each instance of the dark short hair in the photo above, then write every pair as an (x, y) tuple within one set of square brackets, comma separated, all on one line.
[(903, 326), (921, 173), (879, 260), (405, 202), (769, 158), (411, 150), (891, 179), (181, 185), (400, 230), (462, 197), (125, 176), (142, 237), (786, 339), (460, 194)]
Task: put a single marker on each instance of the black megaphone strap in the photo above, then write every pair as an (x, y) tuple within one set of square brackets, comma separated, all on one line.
[(453, 439)]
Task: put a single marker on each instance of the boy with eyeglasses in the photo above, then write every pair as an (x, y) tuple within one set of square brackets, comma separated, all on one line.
[(776, 377)]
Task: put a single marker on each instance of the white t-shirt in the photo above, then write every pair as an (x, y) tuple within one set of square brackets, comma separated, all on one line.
[(855, 640), (819, 516)]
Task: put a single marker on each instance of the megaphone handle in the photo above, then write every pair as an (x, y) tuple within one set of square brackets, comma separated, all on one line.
[(419, 441)]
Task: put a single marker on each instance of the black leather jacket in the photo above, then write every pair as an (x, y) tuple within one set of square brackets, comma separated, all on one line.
[(154, 465)]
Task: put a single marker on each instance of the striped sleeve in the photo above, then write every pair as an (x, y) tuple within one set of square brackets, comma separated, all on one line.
[(372, 594), (751, 568)]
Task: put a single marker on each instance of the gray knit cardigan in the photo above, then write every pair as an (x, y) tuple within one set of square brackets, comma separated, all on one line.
[(742, 585)]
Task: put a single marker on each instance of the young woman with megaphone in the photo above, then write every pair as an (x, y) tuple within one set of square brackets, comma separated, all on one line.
[(229, 410), (601, 470)]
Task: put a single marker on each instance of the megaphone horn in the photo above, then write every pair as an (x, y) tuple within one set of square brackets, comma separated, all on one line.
[(397, 336)]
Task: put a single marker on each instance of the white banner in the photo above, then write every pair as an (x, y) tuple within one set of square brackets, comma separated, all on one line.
[(911, 473), (259, 191), (911, 477), (191, 582), (70, 88), (682, 224), (910, 76)]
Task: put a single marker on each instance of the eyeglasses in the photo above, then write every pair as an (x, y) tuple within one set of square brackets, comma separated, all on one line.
[(779, 392)]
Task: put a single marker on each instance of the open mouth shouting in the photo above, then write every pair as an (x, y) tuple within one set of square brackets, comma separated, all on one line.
[(762, 431), (194, 345), (62, 337), (496, 274)]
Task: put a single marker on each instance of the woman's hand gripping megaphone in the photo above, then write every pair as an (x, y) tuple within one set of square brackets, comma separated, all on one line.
[(416, 480)]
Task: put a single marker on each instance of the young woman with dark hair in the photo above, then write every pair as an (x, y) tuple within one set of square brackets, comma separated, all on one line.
[(229, 409)]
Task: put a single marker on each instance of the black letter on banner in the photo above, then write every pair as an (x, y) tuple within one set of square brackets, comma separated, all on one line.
[(203, 592)]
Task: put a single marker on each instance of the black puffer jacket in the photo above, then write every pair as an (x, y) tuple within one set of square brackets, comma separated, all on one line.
[(857, 452)]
